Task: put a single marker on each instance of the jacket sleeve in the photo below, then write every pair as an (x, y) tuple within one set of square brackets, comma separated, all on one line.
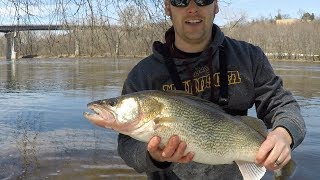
[(275, 105), (132, 151)]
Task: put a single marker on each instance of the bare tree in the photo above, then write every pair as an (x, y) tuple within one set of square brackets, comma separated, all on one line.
[(128, 28)]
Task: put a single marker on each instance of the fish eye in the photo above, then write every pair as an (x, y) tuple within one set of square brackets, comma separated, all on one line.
[(113, 101)]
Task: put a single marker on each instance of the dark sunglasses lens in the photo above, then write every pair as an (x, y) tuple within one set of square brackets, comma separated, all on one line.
[(203, 2), (185, 3), (180, 3)]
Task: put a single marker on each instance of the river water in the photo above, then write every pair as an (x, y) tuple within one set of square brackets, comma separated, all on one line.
[(43, 134)]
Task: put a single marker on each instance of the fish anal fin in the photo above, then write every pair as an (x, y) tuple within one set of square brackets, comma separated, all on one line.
[(255, 124), (250, 170)]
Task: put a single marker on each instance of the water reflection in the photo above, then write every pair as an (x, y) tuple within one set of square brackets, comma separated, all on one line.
[(66, 74), (302, 79), (26, 135), (43, 134), (42, 131), (10, 69)]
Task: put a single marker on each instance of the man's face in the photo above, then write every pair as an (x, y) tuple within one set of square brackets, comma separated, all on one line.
[(192, 24)]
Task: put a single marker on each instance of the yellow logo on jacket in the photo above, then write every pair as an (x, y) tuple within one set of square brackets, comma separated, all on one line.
[(199, 84)]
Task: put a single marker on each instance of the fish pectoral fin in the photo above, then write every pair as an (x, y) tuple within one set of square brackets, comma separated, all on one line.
[(163, 123), (250, 170), (164, 120)]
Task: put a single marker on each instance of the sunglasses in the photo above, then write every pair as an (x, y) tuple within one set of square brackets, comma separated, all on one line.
[(185, 3)]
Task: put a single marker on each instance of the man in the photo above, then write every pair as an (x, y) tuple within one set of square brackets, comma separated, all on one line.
[(195, 58)]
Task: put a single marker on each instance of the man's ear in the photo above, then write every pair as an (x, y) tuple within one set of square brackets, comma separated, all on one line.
[(167, 7), (216, 7)]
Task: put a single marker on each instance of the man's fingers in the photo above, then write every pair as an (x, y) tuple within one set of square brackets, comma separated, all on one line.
[(187, 158), (282, 160), (171, 146), (179, 151), (275, 151), (264, 150), (173, 151), (153, 144), (278, 156), (288, 158), (274, 156)]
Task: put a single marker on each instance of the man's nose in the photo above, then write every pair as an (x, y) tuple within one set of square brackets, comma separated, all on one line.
[(192, 7)]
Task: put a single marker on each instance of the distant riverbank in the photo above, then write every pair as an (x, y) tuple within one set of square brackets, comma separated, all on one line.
[(271, 58), (294, 60)]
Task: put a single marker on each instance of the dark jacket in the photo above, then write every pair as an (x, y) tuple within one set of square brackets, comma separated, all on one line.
[(251, 82)]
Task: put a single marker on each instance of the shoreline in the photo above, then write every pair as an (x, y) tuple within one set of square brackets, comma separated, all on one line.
[(79, 57), (294, 60), (272, 60)]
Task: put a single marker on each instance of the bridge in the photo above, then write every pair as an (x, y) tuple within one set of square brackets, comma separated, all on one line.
[(11, 34), (13, 28)]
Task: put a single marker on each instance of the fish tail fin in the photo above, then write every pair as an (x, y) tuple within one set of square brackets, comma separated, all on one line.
[(286, 172), (250, 170)]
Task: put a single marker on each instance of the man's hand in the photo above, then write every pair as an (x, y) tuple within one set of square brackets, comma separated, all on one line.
[(275, 151), (173, 151)]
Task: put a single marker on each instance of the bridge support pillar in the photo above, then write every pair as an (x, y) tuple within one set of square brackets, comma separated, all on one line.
[(77, 47), (11, 53)]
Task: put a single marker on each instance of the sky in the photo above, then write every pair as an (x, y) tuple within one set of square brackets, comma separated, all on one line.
[(252, 9)]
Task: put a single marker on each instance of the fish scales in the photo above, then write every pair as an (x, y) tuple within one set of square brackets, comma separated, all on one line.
[(213, 129)]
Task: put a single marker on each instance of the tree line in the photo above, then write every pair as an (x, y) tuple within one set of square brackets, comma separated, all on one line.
[(299, 40), (138, 27)]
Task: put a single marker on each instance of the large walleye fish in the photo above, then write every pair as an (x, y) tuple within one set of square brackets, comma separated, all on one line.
[(213, 135)]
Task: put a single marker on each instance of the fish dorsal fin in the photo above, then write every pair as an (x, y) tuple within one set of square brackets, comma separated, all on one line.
[(250, 170), (256, 124), (195, 98)]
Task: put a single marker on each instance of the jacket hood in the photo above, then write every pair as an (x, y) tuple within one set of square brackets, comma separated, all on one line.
[(159, 51)]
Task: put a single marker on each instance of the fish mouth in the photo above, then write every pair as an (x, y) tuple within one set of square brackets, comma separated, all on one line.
[(99, 115)]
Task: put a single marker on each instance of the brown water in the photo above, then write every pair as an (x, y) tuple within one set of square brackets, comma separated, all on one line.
[(43, 134)]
